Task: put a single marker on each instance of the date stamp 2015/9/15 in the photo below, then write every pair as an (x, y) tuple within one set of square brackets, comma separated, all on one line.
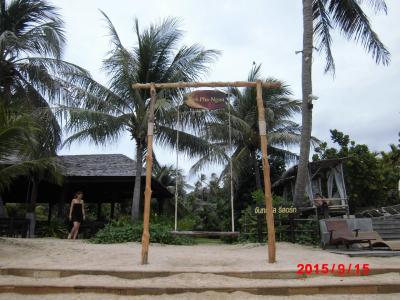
[(340, 269)]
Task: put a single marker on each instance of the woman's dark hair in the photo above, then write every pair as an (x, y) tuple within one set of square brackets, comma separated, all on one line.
[(78, 193), (318, 195)]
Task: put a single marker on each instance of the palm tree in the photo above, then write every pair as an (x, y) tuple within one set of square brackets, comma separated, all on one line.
[(104, 112), (244, 128), (19, 137), (352, 22), (174, 181), (168, 176), (32, 73), (32, 76)]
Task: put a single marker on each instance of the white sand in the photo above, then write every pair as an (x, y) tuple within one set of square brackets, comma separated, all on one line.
[(81, 255), (68, 254)]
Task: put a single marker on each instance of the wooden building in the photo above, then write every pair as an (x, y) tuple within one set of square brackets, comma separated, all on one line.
[(103, 178)]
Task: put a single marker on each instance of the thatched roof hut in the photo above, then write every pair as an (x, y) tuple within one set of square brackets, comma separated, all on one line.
[(104, 178)]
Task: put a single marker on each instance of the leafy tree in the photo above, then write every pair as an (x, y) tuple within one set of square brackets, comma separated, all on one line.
[(319, 18), (371, 178), (101, 113), (390, 168)]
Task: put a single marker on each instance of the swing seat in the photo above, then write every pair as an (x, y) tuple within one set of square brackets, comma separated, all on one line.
[(205, 233)]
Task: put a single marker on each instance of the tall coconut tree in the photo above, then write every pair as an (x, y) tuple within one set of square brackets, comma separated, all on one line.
[(32, 72), (104, 112), (320, 17), (20, 136), (32, 76), (282, 131)]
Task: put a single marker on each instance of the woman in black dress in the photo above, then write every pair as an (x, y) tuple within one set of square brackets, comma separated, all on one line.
[(76, 214)]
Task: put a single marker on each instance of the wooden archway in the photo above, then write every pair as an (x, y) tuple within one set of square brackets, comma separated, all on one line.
[(263, 136)]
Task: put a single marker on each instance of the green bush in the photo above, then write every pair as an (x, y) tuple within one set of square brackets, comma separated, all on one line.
[(55, 228), (15, 210), (122, 230), (188, 222), (307, 238)]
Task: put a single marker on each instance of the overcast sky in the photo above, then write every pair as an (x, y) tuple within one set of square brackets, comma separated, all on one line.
[(362, 100)]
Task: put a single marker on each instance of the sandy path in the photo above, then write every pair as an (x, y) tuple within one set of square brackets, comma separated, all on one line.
[(68, 254)]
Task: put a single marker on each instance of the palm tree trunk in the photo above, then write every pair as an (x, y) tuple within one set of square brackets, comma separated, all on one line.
[(138, 177), (306, 107), (30, 212), (257, 172)]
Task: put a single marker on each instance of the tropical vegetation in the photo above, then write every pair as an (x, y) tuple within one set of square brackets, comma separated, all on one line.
[(371, 177)]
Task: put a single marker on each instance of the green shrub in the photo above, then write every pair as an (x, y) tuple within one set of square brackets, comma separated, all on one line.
[(55, 228), (122, 230), (308, 238), (188, 222), (15, 210)]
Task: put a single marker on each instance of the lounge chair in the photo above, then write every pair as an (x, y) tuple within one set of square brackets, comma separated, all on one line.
[(379, 242), (341, 234)]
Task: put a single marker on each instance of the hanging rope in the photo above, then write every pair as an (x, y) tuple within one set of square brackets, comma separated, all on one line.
[(176, 171)]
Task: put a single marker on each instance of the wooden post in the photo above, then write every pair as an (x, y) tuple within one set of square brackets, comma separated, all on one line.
[(61, 202), (267, 182), (112, 204), (50, 212), (149, 164), (98, 211)]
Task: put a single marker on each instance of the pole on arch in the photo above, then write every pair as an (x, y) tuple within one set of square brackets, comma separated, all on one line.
[(267, 181), (149, 165)]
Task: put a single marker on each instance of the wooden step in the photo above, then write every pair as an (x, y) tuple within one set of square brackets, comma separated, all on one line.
[(388, 288), (272, 274), (202, 282)]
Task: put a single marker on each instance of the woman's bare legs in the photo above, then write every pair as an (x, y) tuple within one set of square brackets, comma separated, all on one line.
[(76, 230), (71, 234)]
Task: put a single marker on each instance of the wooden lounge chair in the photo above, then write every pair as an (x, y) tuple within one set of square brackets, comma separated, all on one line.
[(341, 234), (379, 242)]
